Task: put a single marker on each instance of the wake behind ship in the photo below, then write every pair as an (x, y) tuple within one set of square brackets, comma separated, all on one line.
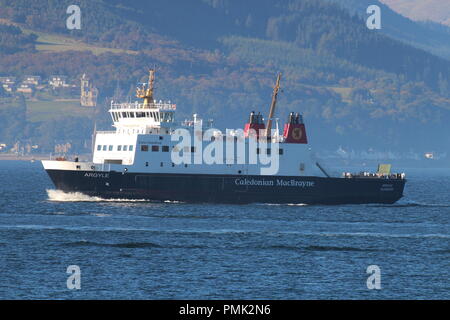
[(136, 161)]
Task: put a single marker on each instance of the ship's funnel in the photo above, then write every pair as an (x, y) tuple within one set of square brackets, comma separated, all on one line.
[(294, 129), (255, 126)]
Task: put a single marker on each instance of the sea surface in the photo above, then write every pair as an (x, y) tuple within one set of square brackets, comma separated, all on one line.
[(143, 250)]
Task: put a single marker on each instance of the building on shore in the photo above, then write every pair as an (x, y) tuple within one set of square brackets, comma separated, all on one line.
[(7, 80), (8, 83), (58, 82), (89, 93), (32, 80), (25, 88), (63, 148), (9, 87)]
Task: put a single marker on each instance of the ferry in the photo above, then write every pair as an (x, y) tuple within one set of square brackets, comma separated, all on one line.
[(151, 156)]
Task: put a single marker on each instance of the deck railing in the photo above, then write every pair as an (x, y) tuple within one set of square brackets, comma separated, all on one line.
[(155, 105)]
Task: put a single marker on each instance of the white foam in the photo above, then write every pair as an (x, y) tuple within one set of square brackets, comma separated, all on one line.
[(173, 201), (61, 196), (283, 204), (101, 214)]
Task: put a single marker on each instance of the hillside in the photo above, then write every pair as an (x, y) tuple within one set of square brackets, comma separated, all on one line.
[(422, 10), (357, 88), (428, 36)]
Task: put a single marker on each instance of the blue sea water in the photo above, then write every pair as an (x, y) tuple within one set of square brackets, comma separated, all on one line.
[(142, 250)]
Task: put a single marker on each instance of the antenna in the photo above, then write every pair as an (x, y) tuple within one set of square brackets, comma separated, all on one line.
[(147, 93)]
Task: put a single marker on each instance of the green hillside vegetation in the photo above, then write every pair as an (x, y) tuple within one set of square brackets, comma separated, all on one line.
[(13, 40), (52, 42), (38, 111), (18, 36), (429, 36), (356, 87), (434, 10)]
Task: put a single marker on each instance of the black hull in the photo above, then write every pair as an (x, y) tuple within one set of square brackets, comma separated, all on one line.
[(229, 189)]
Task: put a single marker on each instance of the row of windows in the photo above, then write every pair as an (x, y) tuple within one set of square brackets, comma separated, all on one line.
[(111, 147), (161, 164), (158, 116), (144, 147), (154, 148)]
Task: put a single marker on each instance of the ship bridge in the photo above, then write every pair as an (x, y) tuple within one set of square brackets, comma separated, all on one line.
[(142, 116), (148, 117)]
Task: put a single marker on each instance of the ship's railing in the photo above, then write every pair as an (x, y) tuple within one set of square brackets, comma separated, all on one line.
[(155, 105), (106, 132), (370, 175)]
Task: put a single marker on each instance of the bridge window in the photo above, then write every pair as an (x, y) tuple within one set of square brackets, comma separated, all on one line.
[(144, 147), (110, 148), (155, 148), (125, 148), (130, 148), (99, 147), (119, 148), (280, 151), (165, 148), (104, 148)]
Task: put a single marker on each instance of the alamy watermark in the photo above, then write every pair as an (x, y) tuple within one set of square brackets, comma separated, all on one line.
[(74, 280), (73, 22), (226, 149), (374, 280), (374, 20)]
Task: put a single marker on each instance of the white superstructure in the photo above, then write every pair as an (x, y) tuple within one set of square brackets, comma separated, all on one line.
[(143, 141)]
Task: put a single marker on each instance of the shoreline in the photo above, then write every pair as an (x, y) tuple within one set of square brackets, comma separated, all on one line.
[(14, 157), (36, 157)]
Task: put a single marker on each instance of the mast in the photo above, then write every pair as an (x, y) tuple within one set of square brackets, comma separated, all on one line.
[(147, 94), (272, 105)]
